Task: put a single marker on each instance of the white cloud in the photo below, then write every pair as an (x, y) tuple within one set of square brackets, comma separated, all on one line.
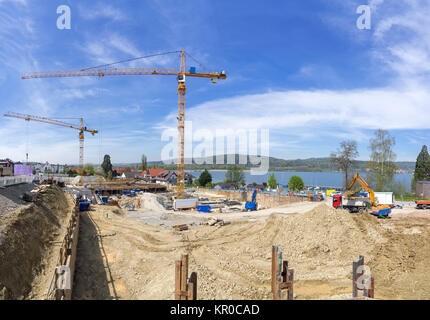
[(102, 11), (321, 112), (117, 47)]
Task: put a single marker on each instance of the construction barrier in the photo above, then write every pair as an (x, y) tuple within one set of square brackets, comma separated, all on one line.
[(185, 289), (282, 277), (264, 200), (14, 180), (363, 286), (60, 287)]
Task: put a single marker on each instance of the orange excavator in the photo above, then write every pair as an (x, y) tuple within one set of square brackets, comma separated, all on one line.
[(361, 204)]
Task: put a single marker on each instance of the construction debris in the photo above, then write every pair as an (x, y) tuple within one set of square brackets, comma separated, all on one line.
[(182, 227), (217, 222)]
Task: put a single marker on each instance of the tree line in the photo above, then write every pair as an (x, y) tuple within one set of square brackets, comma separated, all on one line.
[(381, 166)]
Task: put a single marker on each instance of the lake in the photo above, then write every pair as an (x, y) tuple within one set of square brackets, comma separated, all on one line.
[(332, 179)]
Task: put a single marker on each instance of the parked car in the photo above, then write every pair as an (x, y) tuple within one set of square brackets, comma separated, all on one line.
[(337, 193)]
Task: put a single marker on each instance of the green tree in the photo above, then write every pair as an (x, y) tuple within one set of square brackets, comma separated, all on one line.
[(422, 167), (107, 167), (144, 163), (344, 157), (88, 170), (296, 183), (399, 190), (381, 167), (205, 178), (72, 173), (235, 175), (272, 181)]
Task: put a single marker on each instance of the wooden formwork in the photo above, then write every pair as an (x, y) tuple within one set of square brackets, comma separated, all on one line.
[(282, 277), (61, 284), (185, 289), (363, 286)]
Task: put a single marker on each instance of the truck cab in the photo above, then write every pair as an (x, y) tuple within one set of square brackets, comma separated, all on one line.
[(337, 201)]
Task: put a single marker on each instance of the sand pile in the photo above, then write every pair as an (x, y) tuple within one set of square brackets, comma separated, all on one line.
[(323, 237)]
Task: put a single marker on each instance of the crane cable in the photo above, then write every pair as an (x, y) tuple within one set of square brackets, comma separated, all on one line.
[(146, 57), (129, 60)]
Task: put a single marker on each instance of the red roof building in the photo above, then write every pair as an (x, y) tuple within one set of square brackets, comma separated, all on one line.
[(152, 173)]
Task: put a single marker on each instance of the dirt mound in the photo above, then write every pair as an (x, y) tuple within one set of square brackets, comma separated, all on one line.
[(25, 237), (328, 236)]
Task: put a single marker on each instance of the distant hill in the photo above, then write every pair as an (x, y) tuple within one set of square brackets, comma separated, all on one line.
[(275, 164)]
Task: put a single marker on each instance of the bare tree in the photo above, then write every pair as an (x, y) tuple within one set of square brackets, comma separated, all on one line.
[(381, 165), (344, 157)]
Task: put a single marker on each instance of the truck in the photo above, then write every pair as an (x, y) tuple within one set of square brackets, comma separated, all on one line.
[(362, 204), (423, 204), (359, 205)]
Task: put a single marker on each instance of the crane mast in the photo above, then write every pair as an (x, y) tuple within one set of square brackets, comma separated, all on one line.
[(81, 129), (182, 74)]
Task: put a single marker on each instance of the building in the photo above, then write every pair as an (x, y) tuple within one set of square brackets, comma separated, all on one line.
[(6, 168), (49, 168), (422, 189), (150, 174), (131, 175), (171, 177)]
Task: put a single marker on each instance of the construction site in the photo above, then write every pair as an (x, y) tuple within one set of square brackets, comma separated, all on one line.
[(153, 234), (125, 245)]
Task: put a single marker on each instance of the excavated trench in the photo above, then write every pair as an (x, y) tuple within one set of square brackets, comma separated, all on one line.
[(29, 240)]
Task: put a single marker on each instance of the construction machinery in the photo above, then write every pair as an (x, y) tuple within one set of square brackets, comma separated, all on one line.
[(80, 128), (253, 205), (315, 197), (360, 204), (423, 204), (181, 74)]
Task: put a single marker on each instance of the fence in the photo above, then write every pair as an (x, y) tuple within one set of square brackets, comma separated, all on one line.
[(61, 284), (184, 289), (264, 200), (10, 181)]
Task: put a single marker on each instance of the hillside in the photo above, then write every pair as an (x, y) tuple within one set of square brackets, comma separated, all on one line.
[(276, 164)]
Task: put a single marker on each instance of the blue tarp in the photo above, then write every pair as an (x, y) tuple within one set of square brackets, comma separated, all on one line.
[(205, 209)]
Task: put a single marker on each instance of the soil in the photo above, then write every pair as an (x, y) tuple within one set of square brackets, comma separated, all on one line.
[(11, 197), (29, 245), (122, 256)]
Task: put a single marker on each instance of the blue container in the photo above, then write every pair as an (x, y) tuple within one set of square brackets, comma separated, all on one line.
[(84, 206), (192, 70), (105, 199), (205, 209)]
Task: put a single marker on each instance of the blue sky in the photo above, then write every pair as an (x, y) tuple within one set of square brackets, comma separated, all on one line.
[(301, 69)]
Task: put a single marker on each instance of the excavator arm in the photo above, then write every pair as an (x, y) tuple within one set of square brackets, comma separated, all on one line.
[(365, 186)]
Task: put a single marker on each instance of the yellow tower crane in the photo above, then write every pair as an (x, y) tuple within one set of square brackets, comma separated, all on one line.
[(181, 75), (81, 129)]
